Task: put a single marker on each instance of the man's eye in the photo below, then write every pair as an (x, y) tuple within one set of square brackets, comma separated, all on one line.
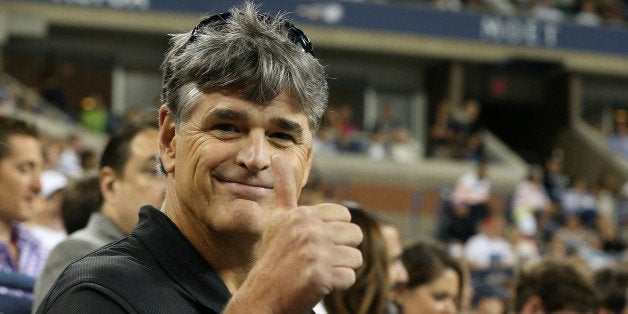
[(25, 168), (282, 136), (226, 127)]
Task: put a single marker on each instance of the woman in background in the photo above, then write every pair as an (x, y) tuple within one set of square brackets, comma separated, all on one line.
[(369, 294), (436, 280)]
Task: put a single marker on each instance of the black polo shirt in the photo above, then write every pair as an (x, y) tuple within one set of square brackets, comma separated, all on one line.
[(154, 270)]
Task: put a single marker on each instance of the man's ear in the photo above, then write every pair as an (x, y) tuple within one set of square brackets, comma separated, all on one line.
[(107, 178), (167, 139), (534, 305)]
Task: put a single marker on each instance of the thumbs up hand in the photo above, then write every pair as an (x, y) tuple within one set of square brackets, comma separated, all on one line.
[(305, 252)]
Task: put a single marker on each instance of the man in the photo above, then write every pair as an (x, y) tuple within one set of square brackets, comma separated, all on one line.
[(242, 98), (397, 272), (553, 286), (21, 162), (469, 203), (489, 250), (128, 180)]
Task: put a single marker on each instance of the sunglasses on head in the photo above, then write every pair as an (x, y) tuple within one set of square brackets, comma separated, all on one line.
[(294, 33)]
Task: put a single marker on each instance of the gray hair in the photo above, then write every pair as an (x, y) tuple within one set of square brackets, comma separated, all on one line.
[(250, 55)]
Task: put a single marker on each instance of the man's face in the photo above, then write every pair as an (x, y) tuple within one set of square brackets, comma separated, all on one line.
[(19, 178), (219, 162), (396, 270), (140, 184)]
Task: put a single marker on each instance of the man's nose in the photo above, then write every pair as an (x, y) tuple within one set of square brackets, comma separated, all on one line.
[(401, 273), (254, 154), (35, 184)]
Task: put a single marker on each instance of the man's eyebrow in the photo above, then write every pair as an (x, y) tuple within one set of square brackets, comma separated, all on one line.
[(227, 114), (287, 125)]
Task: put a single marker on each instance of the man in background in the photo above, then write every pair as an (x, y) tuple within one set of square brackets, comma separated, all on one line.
[(128, 179), (553, 286), (21, 253)]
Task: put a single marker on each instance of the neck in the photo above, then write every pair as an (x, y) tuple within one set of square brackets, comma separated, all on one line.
[(230, 256), (6, 232), (108, 211)]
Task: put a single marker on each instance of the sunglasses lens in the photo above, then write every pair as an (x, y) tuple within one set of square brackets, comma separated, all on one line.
[(294, 33)]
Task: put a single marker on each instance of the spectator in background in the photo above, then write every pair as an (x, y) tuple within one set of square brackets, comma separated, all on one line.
[(555, 183), (378, 148), (70, 160), (325, 143), (530, 203), (611, 285), (435, 280), (579, 201), (489, 249), (348, 132), (469, 200), (442, 134), (403, 148), (128, 180), (618, 141), (21, 161), (489, 299), (527, 249), (89, 161), (370, 293), (553, 286), (397, 272), (384, 136), (612, 243), (326, 139), (608, 197), (347, 125), (386, 122), (546, 10), (80, 199), (588, 15), (47, 223), (468, 132)]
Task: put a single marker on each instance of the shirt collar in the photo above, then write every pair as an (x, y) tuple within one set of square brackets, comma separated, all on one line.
[(180, 259)]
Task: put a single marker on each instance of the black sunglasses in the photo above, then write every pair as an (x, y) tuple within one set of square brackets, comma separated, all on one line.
[(294, 33)]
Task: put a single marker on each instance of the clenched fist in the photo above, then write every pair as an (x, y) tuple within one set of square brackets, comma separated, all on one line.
[(306, 252)]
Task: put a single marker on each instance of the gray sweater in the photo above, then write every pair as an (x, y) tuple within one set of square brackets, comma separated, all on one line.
[(99, 231)]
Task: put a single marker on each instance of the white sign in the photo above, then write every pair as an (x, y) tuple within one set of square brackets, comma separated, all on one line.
[(517, 31)]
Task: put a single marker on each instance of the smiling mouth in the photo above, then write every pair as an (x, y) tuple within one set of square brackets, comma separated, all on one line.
[(245, 190)]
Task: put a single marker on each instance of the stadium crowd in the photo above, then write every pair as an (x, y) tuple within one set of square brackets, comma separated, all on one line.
[(548, 214)]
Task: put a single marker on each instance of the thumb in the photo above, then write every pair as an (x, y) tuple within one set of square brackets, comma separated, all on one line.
[(285, 185)]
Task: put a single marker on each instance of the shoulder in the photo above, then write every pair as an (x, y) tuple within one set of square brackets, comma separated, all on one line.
[(68, 251), (112, 275)]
